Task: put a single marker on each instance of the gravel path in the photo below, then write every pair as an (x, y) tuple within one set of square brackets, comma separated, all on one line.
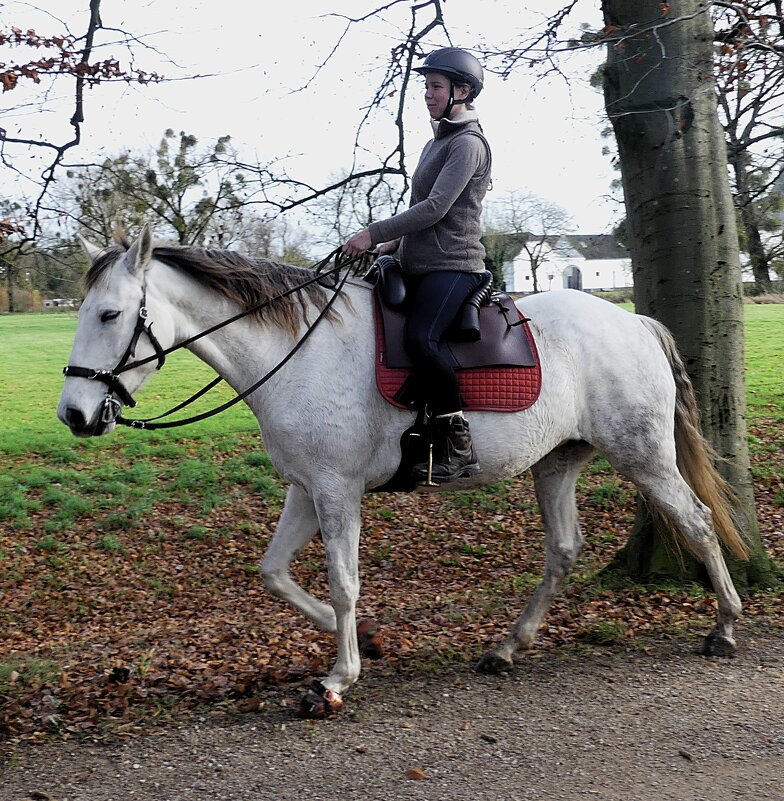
[(666, 725)]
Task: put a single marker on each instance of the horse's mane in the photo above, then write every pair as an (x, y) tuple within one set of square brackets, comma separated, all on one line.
[(243, 280)]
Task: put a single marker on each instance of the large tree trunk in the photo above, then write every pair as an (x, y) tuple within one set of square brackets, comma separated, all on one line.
[(683, 238), (9, 285), (758, 258)]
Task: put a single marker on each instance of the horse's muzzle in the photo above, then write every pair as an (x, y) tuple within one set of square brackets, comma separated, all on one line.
[(80, 426)]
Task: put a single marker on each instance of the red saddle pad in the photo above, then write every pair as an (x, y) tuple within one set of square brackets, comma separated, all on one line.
[(491, 389)]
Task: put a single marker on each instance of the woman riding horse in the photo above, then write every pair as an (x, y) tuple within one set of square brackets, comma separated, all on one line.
[(437, 240)]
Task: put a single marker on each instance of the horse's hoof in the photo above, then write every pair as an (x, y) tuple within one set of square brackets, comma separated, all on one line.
[(493, 664), (718, 645), (319, 703), (369, 639)]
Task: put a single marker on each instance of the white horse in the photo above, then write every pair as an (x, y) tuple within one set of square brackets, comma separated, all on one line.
[(612, 382)]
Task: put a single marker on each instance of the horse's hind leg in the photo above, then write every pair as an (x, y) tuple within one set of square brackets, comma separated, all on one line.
[(667, 491), (555, 479), (297, 526)]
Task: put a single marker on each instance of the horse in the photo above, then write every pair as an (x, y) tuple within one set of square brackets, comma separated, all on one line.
[(612, 382)]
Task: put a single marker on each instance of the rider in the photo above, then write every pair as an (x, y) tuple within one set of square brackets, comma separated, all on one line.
[(437, 241)]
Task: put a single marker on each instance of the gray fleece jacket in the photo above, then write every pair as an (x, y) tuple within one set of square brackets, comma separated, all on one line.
[(441, 228)]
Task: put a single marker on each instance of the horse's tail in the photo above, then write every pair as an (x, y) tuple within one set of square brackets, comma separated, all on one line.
[(695, 457)]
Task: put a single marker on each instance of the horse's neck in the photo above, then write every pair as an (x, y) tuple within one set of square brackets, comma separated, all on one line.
[(234, 350), (244, 351)]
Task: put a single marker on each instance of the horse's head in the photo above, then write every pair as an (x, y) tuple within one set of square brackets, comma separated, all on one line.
[(112, 336)]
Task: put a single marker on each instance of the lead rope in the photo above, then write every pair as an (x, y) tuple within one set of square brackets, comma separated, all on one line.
[(148, 424)]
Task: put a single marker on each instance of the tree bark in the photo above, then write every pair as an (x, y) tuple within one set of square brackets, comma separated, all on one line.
[(683, 239)]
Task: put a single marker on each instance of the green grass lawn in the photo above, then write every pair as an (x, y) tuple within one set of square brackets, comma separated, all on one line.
[(114, 480), (34, 348), (765, 360), (130, 470)]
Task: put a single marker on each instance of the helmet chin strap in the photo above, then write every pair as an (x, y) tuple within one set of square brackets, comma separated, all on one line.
[(452, 102)]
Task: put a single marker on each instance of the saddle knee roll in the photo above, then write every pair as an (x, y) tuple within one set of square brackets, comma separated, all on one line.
[(467, 327), (391, 282)]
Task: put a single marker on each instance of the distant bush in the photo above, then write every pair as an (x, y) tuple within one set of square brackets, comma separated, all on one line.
[(616, 295), (764, 299), (750, 290), (24, 300)]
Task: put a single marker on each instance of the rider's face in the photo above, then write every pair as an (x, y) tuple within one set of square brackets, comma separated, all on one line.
[(437, 89)]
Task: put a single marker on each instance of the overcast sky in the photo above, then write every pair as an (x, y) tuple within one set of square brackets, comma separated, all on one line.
[(545, 135)]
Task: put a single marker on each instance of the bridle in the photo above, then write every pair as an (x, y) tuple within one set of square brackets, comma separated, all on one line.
[(112, 407)]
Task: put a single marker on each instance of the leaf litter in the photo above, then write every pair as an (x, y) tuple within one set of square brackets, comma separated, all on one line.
[(105, 640)]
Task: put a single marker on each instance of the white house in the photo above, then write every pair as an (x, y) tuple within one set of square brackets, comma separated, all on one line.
[(569, 261), (61, 303)]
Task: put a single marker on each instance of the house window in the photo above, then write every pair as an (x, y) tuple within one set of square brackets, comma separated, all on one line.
[(597, 273), (528, 278)]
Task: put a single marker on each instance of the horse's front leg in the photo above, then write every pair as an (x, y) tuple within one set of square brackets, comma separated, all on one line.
[(297, 526), (339, 516)]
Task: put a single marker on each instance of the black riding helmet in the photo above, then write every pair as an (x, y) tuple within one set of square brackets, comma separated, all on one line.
[(458, 65)]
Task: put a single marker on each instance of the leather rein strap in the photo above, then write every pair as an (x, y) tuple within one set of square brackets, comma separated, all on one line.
[(111, 378)]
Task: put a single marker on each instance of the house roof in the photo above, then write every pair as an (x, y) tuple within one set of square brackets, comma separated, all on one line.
[(589, 246), (597, 246)]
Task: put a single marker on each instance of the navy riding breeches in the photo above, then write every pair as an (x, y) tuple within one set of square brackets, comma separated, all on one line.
[(434, 302)]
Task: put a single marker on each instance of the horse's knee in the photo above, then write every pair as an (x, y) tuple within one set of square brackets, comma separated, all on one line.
[(561, 560), (272, 578), (343, 595), (566, 560)]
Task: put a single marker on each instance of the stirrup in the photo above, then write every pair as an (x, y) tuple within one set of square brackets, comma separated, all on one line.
[(428, 482)]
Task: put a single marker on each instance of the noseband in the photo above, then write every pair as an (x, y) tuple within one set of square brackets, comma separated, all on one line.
[(111, 406)]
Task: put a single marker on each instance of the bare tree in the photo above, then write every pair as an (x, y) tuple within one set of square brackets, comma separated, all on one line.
[(750, 89), (280, 192), (682, 233), (189, 192), (57, 58), (353, 205), (522, 223), (47, 60)]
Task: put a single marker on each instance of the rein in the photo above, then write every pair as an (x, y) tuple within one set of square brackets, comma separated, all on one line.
[(112, 407)]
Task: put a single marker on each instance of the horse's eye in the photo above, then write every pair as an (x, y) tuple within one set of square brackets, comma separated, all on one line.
[(109, 315)]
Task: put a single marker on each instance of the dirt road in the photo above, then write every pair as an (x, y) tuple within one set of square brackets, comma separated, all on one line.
[(625, 725)]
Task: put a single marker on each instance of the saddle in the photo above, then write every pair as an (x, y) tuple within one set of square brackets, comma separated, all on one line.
[(490, 346)]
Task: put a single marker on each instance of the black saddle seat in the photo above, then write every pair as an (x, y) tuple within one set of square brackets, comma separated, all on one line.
[(390, 282), (486, 332)]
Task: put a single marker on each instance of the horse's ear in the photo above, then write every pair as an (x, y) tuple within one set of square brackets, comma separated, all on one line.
[(92, 251), (140, 252)]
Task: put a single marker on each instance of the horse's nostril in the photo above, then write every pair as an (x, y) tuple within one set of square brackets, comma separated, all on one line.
[(74, 418)]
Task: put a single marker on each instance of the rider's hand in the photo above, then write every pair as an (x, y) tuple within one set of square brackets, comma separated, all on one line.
[(387, 248), (358, 244)]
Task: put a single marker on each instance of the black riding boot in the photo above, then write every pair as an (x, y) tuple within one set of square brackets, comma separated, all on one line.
[(453, 452)]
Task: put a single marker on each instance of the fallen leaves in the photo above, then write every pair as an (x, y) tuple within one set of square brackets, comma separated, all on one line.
[(100, 640)]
